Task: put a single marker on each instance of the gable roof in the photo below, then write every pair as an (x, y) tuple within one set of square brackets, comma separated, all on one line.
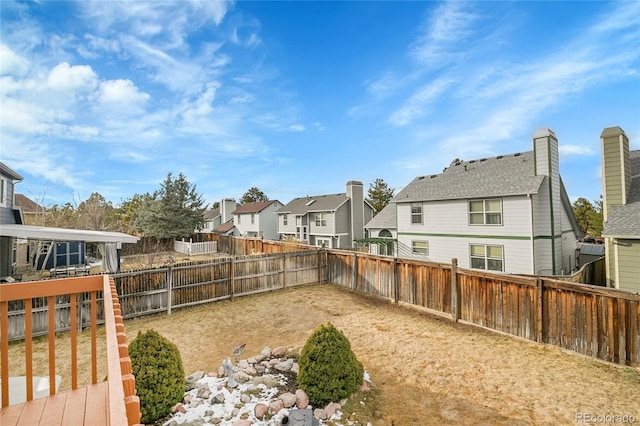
[(624, 221), (316, 203), (256, 207), (225, 227), (503, 175), (212, 213), (385, 219), (6, 171), (26, 204)]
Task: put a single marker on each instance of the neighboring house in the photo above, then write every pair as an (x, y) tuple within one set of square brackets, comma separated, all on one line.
[(32, 212), (509, 213), (335, 220), (213, 218), (382, 232), (9, 215), (227, 228), (621, 209), (257, 219), (48, 247)]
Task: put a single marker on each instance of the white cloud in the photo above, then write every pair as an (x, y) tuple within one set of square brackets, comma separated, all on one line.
[(65, 77), (297, 128), (450, 23), (575, 150), (12, 63), (121, 92), (417, 105)]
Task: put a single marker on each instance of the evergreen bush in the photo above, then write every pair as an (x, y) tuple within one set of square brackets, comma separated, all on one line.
[(329, 370), (160, 379)]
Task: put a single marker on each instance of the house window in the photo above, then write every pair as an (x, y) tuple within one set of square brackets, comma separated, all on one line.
[(416, 213), (321, 219), (285, 219), (420, 247), (239, 219), (253, 218), (485, 212), (490, 258)]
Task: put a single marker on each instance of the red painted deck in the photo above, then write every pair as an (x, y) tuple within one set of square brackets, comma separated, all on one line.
[(82, 406)]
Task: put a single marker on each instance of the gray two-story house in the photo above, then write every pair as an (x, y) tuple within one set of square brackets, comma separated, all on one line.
[(8, 215), (332, 220)]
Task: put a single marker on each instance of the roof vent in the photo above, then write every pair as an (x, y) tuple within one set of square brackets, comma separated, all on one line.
[(472, 161), (518, 154), (483, 159), (500, 156), (432, 176), (421, 177)]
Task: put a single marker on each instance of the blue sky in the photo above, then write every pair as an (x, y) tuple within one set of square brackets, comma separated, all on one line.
[(297, 98)]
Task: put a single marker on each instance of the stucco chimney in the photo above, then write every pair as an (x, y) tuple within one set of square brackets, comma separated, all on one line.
[(547, 163), (227, 206), (355, 193), (616, 170)]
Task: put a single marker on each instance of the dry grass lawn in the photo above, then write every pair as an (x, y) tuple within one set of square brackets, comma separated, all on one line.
[(428, 370)]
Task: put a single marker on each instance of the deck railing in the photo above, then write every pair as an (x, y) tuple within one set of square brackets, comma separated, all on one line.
[(123, 405)]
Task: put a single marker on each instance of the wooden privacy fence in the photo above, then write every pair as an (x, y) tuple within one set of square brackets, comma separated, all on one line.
[(239, 246), (599, 322), (177, 286)]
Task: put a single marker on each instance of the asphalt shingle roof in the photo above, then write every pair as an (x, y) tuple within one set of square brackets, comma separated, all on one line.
[(256, 207), (503, 175), (27, 205), (385, 219), (212, 213), (625, 220), (321, 203)]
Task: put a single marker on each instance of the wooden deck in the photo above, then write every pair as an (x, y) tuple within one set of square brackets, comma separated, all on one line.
[(82, 406)]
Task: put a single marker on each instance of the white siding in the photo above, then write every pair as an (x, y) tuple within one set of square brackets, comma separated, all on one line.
[(446, 227)]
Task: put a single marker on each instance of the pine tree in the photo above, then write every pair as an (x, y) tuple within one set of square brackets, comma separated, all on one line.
[(379, 194)]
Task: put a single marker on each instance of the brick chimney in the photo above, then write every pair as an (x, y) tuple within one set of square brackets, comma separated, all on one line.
[(355, 193), (616, 168)]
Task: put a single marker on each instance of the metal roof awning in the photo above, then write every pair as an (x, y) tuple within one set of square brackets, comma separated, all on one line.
[(63, 234)]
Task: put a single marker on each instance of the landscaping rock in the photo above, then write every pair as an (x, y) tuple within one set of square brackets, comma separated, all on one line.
[(276, 406), (284, 365), (302, 400), (279, 351), (288, 399), (319, 413), (331, 408), (260, 411)]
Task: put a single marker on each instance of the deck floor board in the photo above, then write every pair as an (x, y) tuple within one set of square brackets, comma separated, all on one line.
[(83, 406)]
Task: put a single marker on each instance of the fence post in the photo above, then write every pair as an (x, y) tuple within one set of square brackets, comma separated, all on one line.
[(354, 279), (320, 266), (232, 276), (539, 309), (396, 278), (455, 291), (169, 288), (284, 269)]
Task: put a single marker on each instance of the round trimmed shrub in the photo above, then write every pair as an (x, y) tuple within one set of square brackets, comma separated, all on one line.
[(329, 370), (160, 380)]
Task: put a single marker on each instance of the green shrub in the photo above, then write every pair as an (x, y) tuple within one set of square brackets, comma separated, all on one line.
[(329, 370), (160, 380)]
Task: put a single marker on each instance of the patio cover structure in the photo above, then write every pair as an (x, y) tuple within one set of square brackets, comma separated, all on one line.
[(111, 240)]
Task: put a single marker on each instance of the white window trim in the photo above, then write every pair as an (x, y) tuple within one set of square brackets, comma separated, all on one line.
[(485, 212), (486, 257), (412, 214), (419, 252)]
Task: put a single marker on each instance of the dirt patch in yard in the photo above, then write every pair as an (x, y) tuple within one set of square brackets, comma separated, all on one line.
[(428, 370)]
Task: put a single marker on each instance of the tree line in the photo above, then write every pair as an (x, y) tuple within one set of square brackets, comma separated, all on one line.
[(174, 210)]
